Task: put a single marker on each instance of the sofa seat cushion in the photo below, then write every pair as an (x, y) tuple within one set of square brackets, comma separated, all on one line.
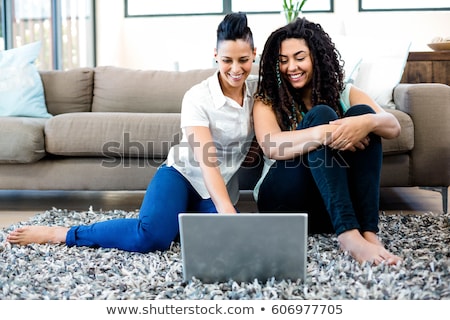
[(128, 90), (21, 139), (115, 134), (405, 141)]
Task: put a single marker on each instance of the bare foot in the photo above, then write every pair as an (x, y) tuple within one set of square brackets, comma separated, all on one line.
[(373, 238), (37, 234), (367, 249)]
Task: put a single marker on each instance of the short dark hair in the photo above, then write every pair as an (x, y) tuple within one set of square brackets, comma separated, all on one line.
[(233, 27)]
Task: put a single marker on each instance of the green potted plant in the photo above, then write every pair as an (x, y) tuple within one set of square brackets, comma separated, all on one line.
[(292, 9)]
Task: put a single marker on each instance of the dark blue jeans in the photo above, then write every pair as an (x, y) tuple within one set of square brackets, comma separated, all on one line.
[(338, 189), (168, 194)]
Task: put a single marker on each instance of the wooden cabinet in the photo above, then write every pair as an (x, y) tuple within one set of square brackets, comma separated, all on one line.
[(427, 66)]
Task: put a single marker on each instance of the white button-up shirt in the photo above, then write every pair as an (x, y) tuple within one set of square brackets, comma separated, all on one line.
[(231, 127)]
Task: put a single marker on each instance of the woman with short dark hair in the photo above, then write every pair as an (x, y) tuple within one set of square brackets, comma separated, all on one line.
[(200, 173)]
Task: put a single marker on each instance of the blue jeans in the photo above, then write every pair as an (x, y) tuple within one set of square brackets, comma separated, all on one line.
[(338, 189), (167, 195)]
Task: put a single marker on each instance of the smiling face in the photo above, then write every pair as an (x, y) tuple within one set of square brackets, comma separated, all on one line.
[(235, 59), (295, 62)]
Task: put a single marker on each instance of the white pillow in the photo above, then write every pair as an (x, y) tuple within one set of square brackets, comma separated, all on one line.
[(380, 67), (352, 58), (21, 89)]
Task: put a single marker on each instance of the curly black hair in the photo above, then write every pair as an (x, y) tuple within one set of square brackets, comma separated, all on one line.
[(328, 76)]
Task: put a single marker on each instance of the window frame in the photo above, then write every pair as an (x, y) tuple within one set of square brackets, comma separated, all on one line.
[(226, 8), (381, 9), (57, 31), (6, 24)]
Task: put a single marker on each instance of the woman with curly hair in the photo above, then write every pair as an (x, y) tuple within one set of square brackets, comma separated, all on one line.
[(321, 140)]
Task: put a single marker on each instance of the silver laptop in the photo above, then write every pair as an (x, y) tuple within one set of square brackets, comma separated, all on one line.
[(243, 247)]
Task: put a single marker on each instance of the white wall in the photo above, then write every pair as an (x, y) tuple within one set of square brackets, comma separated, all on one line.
[(188, 42)]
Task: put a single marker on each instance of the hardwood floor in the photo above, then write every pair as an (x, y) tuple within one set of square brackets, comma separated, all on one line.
[(18, 206)]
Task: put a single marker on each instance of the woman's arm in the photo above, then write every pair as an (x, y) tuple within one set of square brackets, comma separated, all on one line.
[(354, 130), (283, 145), (205, 153)]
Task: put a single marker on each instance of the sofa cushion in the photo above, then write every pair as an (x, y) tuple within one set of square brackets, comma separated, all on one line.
[(405, 141), (21, 90), (21, 139), (126, 90), (68, 91), (112, 134)]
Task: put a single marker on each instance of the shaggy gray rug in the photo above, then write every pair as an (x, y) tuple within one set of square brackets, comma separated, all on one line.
[(58, 272)]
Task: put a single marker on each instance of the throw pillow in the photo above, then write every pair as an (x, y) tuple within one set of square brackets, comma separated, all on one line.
[(374, 65), (21, 89), (382, 68)]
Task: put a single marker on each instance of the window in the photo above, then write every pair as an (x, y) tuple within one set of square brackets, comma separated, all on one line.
[(155, 8), (2, 22), (64, 27), (403, 5)]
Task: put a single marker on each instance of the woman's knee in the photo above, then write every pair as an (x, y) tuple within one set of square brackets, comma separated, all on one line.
[(319, 114), (143, 245), (359, 109)]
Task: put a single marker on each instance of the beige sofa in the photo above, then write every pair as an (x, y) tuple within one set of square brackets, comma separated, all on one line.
[(112, 127)]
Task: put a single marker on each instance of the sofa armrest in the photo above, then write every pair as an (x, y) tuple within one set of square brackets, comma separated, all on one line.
[(428, 104)]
